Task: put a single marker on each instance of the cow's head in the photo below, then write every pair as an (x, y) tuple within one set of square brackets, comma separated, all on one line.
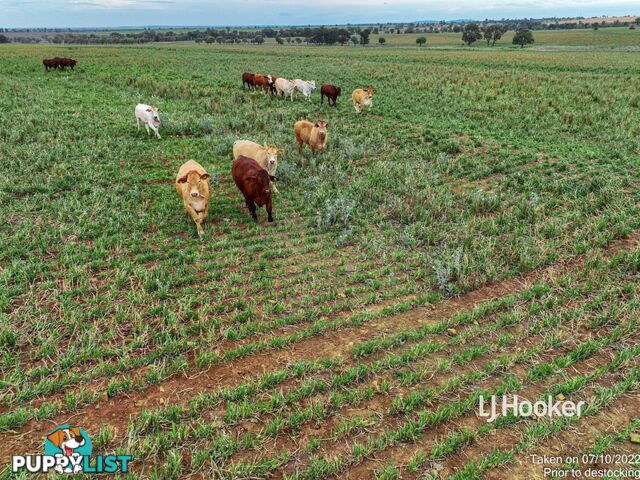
[(322, 129), (154, 114), (370, 91), (312, 84), (196, 182), (272, 157), (258, 185)]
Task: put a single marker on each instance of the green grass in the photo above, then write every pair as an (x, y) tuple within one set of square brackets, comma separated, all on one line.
[(475, 166)]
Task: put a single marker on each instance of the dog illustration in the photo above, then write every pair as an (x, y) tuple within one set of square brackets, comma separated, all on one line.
[(67, 440)]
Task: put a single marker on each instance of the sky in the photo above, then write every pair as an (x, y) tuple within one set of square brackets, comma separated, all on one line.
[(104, 13)]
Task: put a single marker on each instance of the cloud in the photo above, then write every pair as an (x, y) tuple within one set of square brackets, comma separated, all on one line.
[(120, 4), (82, 13)]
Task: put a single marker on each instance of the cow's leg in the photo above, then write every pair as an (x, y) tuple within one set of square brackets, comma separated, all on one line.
[(322, 99), (155, 130), (252, 208), (269, 208), (138, 122), (195, 216), (146, 126), (299, 145)]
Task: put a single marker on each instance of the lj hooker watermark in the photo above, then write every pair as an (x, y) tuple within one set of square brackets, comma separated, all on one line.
[(505, 405)]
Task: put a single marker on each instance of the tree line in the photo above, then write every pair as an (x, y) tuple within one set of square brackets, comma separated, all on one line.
[(491, 31)]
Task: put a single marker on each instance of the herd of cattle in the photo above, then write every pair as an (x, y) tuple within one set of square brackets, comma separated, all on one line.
[(284, 87), (254, 166), (59, 62)]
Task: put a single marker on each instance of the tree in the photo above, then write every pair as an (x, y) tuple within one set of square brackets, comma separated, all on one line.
[(523, 37), (4, 39), (421, 41), (382, 40), (354, 40), (471, 33), (259, 40), (364, 37), (343, 36), (493, 33), (279, 40)]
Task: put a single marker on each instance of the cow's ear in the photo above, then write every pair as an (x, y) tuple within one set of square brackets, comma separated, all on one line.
[(326, 125), (273, 178), (149, 110), (317, 125), (281, 151), (205, 176), (182, 179)]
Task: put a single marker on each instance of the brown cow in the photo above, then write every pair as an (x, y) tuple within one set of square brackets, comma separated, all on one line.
[(253, 181), (262, 81), (67, 62), (50, 63), (247, 79), (331, 92)]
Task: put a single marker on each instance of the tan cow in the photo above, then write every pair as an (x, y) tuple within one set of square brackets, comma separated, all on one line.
[(266, 156), (285, 87), (314, 135), (362, 98), (192, 184)]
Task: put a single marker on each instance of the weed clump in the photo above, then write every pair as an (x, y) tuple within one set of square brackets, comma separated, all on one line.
[(337, 215), (448, 270)]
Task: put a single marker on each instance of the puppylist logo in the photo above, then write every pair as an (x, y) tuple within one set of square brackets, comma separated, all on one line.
[(67, 449)]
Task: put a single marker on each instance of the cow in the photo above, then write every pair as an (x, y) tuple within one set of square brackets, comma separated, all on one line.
[(149, 116), (50, 63), (272, 83), (331, 92), (253, 182), (285, 87), (305, 87), (314, 135), (247, 79), (266, 156), (67, 62), (192, 184), (262, 81), (362, 98)]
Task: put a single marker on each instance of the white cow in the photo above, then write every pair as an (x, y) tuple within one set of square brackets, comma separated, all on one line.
[(305, 87), (285, 87), (149, 116)]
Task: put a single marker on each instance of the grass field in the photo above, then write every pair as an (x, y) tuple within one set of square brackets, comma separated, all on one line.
[(610, 37), (477, 233)]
